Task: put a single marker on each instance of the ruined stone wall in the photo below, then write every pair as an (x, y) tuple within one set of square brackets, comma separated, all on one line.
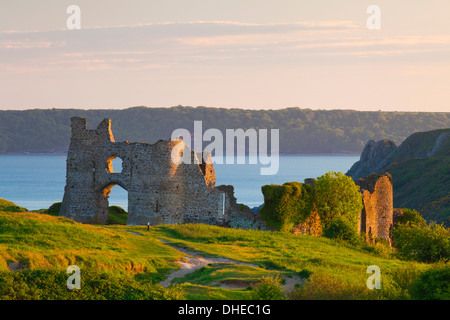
[(240, 215), (376, 218), (312, 225), (160, 191)]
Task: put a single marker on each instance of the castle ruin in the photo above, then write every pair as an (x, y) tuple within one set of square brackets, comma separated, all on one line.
[(377, 216), (161, 190), (376, 219)]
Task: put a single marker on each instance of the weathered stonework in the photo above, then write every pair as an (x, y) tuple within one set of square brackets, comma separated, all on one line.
[(160, 191), (376, 218), (312, 225), (240, 215)]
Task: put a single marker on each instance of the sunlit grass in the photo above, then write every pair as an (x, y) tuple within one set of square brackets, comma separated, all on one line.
[(45, 242)]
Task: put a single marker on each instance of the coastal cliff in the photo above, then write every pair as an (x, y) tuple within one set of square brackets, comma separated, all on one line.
[(420, 168)]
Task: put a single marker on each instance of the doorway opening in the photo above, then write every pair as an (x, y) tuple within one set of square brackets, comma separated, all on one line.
[(117, 198)]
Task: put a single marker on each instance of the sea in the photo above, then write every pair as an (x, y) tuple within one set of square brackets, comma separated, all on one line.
[(37, 181)]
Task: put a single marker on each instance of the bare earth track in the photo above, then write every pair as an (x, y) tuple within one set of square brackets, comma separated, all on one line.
[(192, 261)]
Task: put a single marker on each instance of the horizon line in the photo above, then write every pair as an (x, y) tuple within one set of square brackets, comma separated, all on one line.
[(219, 107)]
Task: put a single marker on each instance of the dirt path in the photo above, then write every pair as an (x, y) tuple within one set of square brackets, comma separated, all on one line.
[(192, 262)]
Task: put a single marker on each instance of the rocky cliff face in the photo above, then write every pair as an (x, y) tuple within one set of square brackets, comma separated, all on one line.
[(419, 168), (378, 155), (372, 157)]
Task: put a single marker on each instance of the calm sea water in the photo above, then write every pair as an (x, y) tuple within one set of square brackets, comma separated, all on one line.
[(37, 181)]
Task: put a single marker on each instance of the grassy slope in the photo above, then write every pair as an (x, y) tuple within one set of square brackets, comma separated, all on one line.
[(43, 242), (423, 184), (9, 206)]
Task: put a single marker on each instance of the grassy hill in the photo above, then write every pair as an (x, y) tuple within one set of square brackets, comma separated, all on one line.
[(423, 184), (420, 169), (129, 262), (421, 175)]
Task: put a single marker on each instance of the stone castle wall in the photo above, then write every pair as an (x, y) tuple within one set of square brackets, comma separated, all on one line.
[(160, 191), (376, 219)]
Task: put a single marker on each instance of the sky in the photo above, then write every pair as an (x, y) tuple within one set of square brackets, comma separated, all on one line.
[(253, 54)]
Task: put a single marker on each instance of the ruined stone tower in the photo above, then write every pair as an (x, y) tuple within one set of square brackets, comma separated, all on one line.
[(376, 218), (160, 190)]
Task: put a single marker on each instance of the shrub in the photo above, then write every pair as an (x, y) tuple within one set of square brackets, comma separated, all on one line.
[(324, 287), (342, 229), (54, 209), (422, 242), (286, 205), (398, 284), (433, 284), (410, 216), (336, 195), (269, 288)]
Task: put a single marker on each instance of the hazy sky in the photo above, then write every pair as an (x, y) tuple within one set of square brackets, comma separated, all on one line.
[(316, 54)]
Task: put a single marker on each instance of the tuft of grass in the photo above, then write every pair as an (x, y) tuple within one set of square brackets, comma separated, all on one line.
[(9, 206)]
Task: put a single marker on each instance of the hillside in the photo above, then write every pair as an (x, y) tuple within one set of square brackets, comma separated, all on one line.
[(126, 262), (420, 168), (301, 130)]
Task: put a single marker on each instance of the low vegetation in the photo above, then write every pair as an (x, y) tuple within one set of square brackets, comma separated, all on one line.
[(417, 240), (335, 197), (129, 262), (8, 206), (286, 205)]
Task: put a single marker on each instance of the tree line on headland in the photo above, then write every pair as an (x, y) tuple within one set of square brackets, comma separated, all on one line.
[(302, 131)]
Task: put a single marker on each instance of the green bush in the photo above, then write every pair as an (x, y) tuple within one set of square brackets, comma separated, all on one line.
[(410, 216), (325, 287), (342, 229), (54, 209), (397, 284), (336, 195), (433, 284), (269, 288), (286, 205), (416, 240)]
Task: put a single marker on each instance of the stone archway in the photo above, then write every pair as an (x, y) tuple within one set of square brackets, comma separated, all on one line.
[(160, 190), (104, 199)]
